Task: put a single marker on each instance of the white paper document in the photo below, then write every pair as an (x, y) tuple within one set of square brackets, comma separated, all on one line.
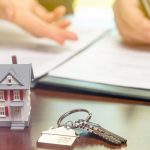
[(44, 54), (110, 61)]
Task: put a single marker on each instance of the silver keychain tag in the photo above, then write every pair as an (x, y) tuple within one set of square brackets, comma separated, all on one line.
[(60, 136)]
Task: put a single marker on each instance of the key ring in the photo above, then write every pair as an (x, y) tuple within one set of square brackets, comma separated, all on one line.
[(70, 124)]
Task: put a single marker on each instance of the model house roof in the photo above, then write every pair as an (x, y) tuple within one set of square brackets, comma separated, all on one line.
[(21, 74)]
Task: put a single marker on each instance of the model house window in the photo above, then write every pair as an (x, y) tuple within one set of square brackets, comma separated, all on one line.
[(9, 79), (2, 111), (16, 95), (1, 95), (17, 109)]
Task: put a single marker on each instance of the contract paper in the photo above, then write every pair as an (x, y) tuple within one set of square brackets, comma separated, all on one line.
[(42, 53)]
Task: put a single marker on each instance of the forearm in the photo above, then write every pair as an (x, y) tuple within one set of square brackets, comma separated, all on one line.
[(131, 22)]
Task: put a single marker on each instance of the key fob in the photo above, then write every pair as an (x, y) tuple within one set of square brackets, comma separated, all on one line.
[(58, 137)]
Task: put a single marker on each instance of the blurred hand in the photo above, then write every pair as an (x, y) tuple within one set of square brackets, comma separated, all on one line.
[(34, 18), (132, 23)]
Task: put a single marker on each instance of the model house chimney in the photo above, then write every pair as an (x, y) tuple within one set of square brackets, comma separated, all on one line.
[(14, 60)]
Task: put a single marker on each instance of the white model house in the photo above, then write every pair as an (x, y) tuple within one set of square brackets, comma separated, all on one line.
[(15, 107)]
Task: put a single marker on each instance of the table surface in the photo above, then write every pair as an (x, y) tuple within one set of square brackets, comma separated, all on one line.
[(127, 118)]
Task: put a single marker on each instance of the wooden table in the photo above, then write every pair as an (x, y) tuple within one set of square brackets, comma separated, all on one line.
[(128, 118)]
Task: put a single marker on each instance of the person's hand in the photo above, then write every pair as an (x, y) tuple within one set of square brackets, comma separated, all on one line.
[(131, 21), (34, 18)]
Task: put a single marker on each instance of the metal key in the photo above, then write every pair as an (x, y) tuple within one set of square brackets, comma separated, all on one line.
[(101, 132)]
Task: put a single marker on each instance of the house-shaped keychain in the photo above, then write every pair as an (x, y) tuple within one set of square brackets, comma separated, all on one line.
[(15, 107)]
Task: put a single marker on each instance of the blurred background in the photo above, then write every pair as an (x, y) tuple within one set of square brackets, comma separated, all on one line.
[(73, 5)]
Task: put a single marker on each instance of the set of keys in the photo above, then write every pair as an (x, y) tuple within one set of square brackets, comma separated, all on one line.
[(65, 134)]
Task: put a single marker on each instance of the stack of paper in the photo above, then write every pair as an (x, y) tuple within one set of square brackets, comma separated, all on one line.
[(111, 62)]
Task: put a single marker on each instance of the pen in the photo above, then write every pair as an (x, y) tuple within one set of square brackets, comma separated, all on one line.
[(146, 6)]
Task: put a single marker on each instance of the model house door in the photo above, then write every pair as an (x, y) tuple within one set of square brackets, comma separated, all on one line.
[(16, 113)]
